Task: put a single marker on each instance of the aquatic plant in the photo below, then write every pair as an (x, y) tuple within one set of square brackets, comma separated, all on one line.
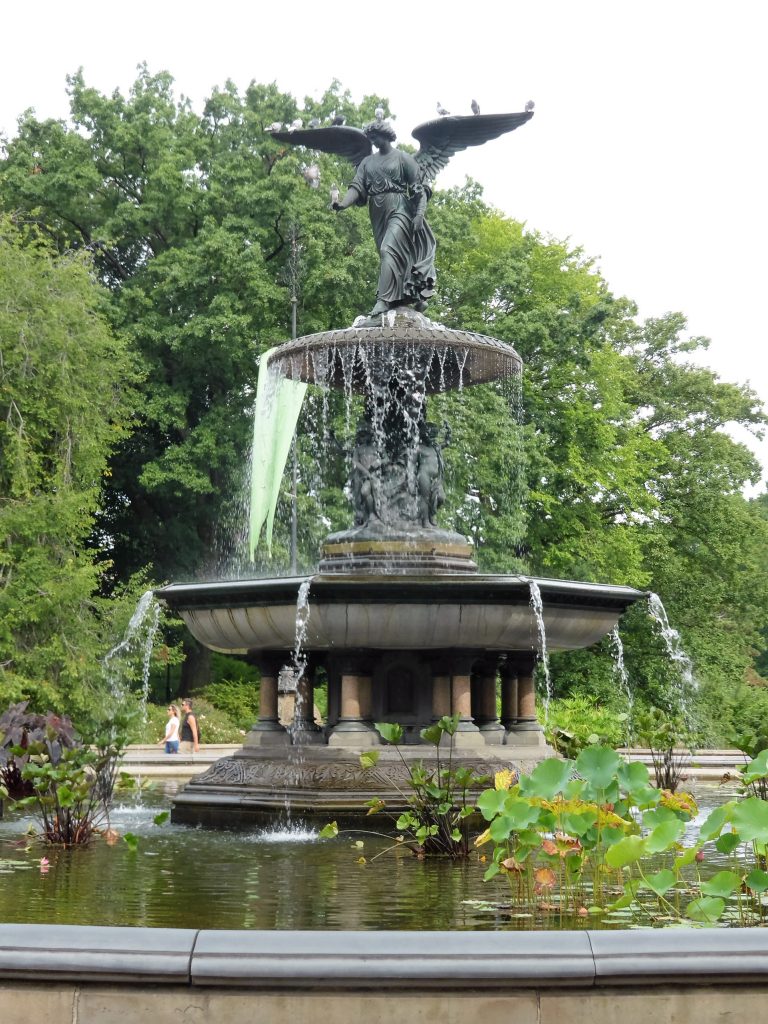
[(48, 771), (20, 732), (440, 798), (670, 740), (592, 836)]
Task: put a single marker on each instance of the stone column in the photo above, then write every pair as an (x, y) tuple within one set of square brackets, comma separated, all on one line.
[(509, 713), (527, 731), (440, 671), (441, 688), (354, 728), (487, 718), (305, 730), (467, 733), (267, 731)]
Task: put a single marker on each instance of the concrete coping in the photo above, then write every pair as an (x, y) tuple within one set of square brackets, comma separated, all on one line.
[(391, 959)]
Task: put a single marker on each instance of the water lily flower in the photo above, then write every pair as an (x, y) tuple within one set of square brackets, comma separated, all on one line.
[(44, 865)]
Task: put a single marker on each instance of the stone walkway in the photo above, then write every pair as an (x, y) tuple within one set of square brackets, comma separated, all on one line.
[(150, 761)]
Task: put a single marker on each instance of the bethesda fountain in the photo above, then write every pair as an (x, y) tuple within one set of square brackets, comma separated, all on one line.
[(397, 617)]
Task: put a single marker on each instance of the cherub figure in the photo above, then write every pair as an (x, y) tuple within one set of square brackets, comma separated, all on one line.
[(430, 469), (365, 474), (396, 188)]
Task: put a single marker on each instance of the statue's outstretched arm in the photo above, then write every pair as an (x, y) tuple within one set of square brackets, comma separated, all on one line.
[(352, 198)]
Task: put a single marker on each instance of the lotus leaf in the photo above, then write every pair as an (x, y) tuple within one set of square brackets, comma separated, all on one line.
[(663, 836), (724, 883), (547, 779), (598, 765), (706, 909), (491, 802), (633, 775), (750, 819), (728, 842), (390, 731), (626, 851), (661, 882), (757, 880), (713, 825)]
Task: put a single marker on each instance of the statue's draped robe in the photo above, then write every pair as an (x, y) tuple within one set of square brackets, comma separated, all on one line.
[(389, 183)]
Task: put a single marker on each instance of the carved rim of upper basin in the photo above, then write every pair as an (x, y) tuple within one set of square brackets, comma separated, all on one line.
[(343, 358), (397, 612)]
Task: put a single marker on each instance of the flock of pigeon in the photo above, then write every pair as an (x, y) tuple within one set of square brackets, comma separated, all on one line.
[(339, 119)]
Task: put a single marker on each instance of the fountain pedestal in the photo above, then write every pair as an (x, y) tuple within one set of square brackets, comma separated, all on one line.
[(405, 649), (399, 620)]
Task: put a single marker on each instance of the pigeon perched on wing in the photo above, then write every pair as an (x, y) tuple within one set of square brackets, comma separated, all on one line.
[(315, 122), (441, 110), (276, 126), (529, 106), (311, 175), (295, 125), (475, 107), (337, 119)]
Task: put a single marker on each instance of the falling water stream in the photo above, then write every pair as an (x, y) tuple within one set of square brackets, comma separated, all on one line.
[(538, 611), (297, 728), (620, 670), (672, 642), (138, 641)]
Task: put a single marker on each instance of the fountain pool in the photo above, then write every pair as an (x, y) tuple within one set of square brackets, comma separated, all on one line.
[(278, 877)]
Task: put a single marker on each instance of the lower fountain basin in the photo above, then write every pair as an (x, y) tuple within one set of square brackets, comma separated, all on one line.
[(445, 611)]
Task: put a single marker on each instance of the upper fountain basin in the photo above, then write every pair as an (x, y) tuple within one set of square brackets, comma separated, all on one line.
[(397, 612), (439, 358)]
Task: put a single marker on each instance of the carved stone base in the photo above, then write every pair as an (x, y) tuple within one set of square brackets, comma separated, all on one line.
[(374, 548), (267, 738), (316, 782), (526, 735)]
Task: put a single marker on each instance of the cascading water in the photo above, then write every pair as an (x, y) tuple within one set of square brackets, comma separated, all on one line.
[(138, 640), (298, 729), (672, 641), (392, 452), (676, 654), (620, 670), (537, 607)]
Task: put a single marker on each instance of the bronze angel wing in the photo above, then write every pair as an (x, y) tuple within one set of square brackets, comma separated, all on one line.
[(341, 140), (441, 138)]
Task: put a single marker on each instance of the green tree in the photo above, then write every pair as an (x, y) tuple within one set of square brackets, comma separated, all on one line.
[(64, 396), (615, 466), (187, 218)]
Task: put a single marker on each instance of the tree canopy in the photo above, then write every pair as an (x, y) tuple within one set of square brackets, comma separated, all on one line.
[(614, 464), (64, 405)]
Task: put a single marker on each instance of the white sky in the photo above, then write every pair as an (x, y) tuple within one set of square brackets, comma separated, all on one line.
[(647, 148)]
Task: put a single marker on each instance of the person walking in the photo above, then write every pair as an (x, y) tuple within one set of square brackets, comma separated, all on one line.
[(190, 734), (171, 738)]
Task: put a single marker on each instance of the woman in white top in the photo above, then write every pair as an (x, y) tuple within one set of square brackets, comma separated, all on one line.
[(171, 738)]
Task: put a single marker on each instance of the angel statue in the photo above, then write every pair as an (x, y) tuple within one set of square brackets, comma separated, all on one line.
[(396, 188)]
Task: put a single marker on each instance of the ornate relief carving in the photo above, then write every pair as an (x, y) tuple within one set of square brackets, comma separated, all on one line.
[(337, 776)]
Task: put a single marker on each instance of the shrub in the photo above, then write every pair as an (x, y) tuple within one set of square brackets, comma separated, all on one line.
[(579, 721), (237, 698)]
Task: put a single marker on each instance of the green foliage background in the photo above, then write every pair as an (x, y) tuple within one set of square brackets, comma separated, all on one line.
[(144, 266)]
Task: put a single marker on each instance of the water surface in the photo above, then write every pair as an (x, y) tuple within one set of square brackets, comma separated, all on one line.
[(285, 877)]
